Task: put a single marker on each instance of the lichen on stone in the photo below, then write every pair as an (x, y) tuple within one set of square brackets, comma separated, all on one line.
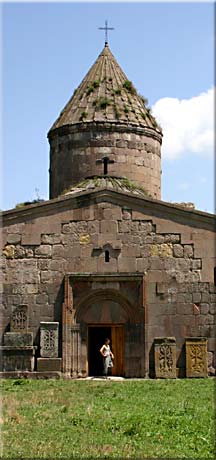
[(84, 239), (161, 250), (9, 251)]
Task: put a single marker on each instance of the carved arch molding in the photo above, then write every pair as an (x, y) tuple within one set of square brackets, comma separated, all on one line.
[(96, 299)]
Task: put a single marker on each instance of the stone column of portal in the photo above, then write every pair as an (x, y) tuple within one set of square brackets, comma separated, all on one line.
[(66, 339), (75, 351), (67, 321)]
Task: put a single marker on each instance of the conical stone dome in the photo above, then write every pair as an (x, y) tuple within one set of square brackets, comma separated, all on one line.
[(106, 95), (105, 128)]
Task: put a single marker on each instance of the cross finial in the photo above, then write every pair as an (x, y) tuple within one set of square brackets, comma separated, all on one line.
[(106, 28)]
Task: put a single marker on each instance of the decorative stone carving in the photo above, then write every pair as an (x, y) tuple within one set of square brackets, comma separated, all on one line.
[(19, 319), (49, 339), (196, 357), (18, 352), (18, 358), (165, 357), (16, 339)]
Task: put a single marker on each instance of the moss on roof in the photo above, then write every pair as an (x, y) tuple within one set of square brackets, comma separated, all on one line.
[(122, 184)]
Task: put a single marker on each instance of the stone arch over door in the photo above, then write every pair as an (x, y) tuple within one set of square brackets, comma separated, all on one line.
[(106, 299), (96, 300)]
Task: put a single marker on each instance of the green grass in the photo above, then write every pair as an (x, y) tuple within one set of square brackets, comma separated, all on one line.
[(92, 87), (83, 115), (101, 102), (129, 86), (107, 419)]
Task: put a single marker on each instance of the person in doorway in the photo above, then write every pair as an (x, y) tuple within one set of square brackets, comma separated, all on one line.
[(108, 356)]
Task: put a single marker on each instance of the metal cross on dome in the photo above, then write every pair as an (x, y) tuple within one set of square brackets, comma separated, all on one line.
[(106, 28)]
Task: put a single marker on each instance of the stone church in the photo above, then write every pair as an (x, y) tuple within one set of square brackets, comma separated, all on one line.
[(105, 256)]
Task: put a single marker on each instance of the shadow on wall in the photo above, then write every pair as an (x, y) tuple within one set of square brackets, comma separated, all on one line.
[(151, 362), (58, 313), (6, 329), (181, 362)]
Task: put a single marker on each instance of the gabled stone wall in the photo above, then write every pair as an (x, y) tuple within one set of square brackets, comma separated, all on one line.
[(177, 261)]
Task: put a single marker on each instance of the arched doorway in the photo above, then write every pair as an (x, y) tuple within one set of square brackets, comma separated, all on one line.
[(96, 306)]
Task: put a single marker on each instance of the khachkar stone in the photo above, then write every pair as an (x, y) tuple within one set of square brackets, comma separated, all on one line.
[(165, 357), (18, 352), (19, 319), (196, 357), (17, 359), (49, 339)]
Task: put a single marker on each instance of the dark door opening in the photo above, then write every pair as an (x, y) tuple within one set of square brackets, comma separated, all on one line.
[(96, 338)]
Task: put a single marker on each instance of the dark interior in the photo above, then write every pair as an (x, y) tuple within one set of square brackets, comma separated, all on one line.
[(96, 338)]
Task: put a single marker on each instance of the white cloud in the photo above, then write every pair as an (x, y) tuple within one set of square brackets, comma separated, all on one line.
[(188, 125), (184, 186), (203, 180)]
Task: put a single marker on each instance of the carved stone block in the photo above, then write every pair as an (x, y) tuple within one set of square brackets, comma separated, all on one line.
[(19, 319), (17, 339), (165, 357), (196, 357), (18, 359), (49, 339), (49, 364)]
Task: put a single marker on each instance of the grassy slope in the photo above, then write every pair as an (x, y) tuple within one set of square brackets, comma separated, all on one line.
[(146, 419)]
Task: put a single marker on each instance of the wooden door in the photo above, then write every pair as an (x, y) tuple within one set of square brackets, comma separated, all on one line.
[(117, 335)]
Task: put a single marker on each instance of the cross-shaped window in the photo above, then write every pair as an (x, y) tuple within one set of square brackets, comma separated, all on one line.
[(106, 161)]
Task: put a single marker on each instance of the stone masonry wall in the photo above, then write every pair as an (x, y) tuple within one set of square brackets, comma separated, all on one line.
[(73, 157), (177, 262)]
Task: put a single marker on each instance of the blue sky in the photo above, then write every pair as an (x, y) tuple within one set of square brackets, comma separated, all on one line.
[(166, 49)]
